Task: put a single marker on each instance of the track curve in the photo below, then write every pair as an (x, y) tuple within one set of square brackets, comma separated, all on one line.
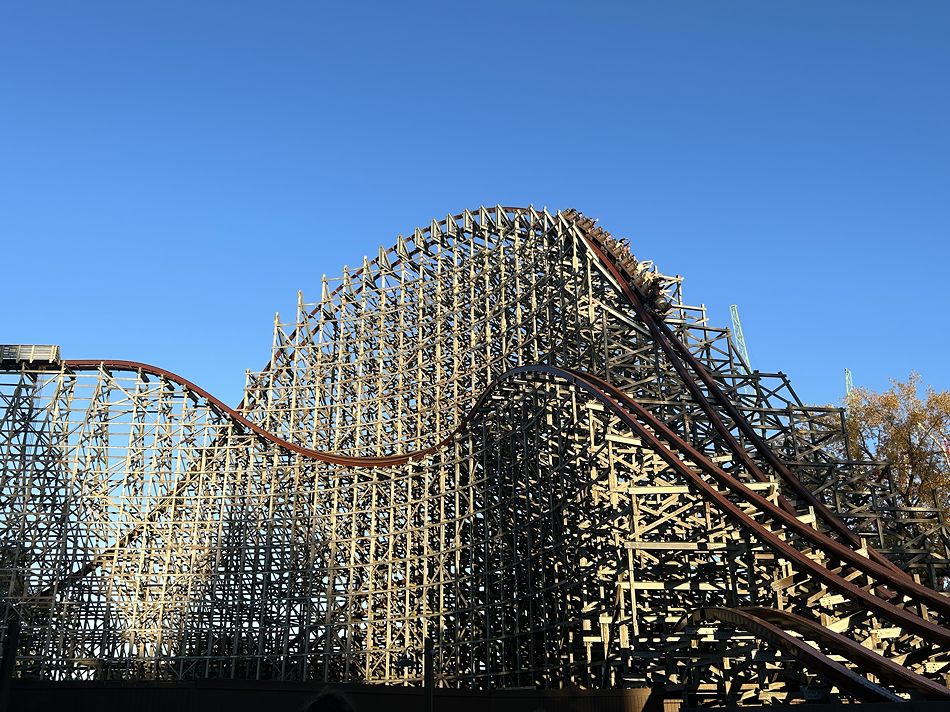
[(883, 668), (811, 658)]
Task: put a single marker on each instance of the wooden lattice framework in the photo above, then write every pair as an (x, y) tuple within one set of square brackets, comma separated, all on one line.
[(505, 434)]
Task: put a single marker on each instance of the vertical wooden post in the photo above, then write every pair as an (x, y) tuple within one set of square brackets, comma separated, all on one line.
[(429, 674)]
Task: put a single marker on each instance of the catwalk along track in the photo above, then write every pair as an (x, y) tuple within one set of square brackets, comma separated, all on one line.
[(506, 435)]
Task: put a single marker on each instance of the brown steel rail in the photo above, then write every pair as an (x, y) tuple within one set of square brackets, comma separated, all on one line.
[(813, 659), (226, 410), (878, 665), (624, 407), (234, 414), (918, 593), (674, 349)]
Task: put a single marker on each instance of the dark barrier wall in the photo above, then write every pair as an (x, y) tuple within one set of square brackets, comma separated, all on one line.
[(214, 696), (226, 696)]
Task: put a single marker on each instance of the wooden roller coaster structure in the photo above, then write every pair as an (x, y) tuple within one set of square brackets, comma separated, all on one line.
[(506, 435)]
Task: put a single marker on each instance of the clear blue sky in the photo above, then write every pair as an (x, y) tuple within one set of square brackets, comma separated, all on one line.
[(171, 173)]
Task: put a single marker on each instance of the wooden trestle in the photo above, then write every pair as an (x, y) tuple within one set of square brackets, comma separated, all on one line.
[(505, 434)]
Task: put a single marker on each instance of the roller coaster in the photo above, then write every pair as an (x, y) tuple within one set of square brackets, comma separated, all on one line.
[(505, 435)]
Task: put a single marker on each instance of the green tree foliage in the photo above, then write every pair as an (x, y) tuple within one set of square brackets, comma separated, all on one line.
[(909, 431)]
